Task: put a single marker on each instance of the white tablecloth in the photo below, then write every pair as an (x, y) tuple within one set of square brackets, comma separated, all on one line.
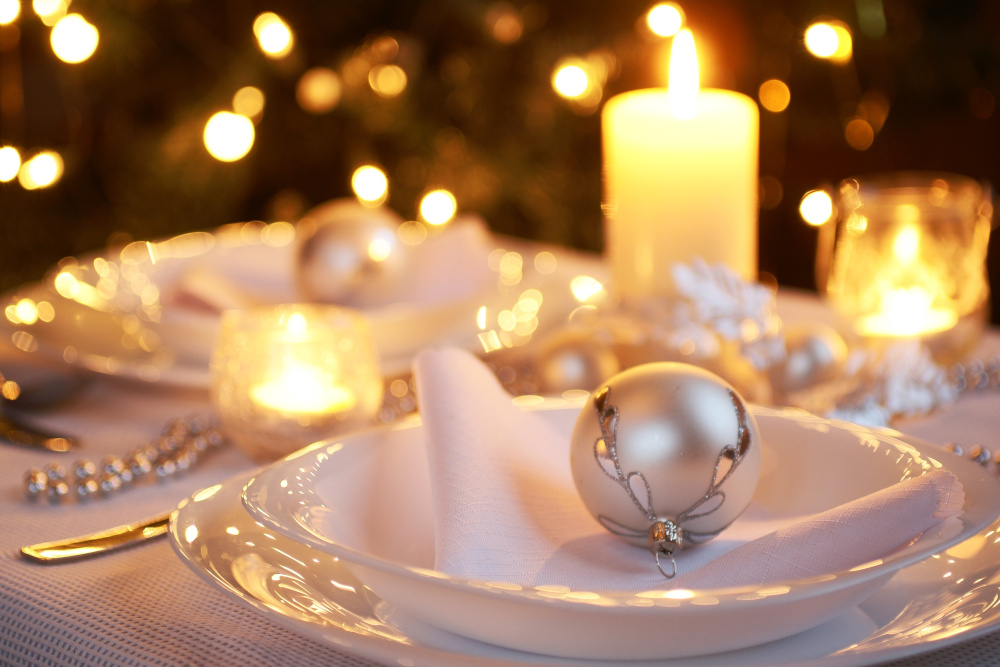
[(143, 606)]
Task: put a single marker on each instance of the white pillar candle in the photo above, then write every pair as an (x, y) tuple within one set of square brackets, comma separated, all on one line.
[(680, 179)]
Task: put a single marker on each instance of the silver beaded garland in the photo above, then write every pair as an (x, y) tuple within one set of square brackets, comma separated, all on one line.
[(179, 447)]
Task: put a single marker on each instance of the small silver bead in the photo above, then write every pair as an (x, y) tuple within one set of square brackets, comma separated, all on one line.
[(36, 482), (57, 489), (980, 455), (110, 483), (112, 465), (86, 487), (54, 471), (166, 468), (84, 468)]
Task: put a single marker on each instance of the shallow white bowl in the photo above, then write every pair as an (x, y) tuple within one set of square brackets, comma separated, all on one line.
[(366, 499)]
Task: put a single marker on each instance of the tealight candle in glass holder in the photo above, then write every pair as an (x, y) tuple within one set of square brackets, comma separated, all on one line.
[(909, 259), (286, 376)]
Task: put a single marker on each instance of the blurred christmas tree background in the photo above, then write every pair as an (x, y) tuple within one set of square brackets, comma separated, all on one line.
[(458, 94)]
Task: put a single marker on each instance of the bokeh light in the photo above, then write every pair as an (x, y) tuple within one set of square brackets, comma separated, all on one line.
[(273, 35), (228, 136), (816, 207), (387, 80), (10, 163), (249, 101), (504, 23), (438, 207), (774, 95), (859, 134), (9, 10), (370, 185), (318, 90), (665, 19), (73, 39), (50, 11), (41, 171), (570, 79), (829, 40)]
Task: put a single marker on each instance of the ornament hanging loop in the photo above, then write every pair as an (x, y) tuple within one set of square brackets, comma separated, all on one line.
[(665, 537)]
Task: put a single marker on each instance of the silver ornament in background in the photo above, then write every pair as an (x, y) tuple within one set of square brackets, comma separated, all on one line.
[(665, 455), (349, 254), (574, 359), (815, 353)]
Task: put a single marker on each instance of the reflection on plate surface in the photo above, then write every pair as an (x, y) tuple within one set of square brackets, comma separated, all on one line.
[(314, 595), (340, 496)]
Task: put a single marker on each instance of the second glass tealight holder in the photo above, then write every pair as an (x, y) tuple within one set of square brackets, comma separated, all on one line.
[(286, 376), (909, 259)]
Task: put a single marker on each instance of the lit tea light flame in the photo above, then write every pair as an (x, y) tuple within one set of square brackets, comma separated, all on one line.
[(906, 245), (682, 90), (303, 389), (907, 312)]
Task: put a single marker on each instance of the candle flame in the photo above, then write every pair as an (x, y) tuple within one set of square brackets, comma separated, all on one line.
[(906, 245), (907, 312), (683, 88)]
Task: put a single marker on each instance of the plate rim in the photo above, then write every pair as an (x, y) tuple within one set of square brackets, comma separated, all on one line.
[(380, 648), (802, 589)]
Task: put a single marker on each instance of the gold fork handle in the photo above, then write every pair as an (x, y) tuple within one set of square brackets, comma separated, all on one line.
[(95, 544)]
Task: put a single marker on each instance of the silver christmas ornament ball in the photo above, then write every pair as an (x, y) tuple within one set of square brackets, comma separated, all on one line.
[(665, 455), (349, 254), (574, 359), (815, 353)]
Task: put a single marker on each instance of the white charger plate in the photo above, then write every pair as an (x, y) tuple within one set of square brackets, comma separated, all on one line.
[(121, 323), (366, 500), (937, 602)]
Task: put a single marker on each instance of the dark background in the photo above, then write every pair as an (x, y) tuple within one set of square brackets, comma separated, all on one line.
[(478, 117)]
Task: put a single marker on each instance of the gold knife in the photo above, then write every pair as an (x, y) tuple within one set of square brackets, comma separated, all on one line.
[(27, 436), (98, 543)]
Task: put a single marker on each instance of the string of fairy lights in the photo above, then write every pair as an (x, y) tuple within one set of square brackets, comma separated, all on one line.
[(578, 79)]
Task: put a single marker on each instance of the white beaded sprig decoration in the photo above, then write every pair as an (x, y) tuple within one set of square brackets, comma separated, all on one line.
[(181, 444)]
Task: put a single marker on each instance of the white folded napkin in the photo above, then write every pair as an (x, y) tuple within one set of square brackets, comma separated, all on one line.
[(506, 508)]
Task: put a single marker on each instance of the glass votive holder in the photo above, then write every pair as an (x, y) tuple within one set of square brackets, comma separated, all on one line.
[(286, 376), (909, 259)]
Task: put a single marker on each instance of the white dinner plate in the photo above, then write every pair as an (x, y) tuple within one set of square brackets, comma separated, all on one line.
[(117, 312), (365, 499), (939, 601)]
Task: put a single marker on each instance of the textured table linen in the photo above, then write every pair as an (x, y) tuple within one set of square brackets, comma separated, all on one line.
[(143, 606)]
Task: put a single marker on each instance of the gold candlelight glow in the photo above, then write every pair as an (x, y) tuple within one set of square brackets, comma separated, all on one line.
[(908, 259), (288, 375), (303, 389), (680, 178)]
